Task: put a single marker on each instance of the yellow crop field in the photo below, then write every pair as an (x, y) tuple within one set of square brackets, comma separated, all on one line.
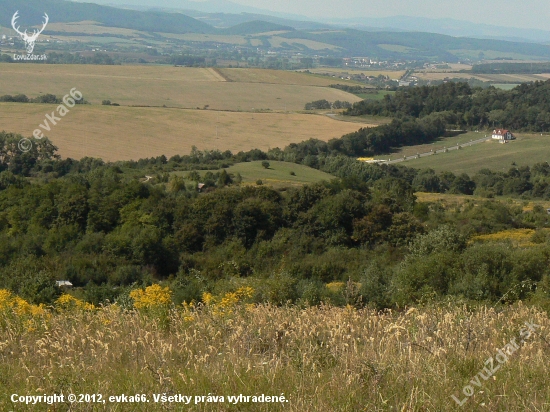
[(123, 133), (274, 77), (394, 74), (181, 87)]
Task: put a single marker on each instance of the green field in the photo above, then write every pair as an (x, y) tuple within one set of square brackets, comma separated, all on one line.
[(437, 145), (372, 96), (505, 86), (527, 149), (277, 175)]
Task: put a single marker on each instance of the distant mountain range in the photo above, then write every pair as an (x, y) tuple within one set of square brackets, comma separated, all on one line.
[(208, 6), (61, 11), (291, 34), (450, 27), (226, 12)]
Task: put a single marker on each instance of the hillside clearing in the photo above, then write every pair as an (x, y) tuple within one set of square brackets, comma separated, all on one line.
[(277, 175)]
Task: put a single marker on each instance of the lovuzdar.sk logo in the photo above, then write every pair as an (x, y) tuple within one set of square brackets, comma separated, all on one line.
[(29, 39)]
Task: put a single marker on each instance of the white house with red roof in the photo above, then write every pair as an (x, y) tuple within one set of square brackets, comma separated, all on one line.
[(502, 135)]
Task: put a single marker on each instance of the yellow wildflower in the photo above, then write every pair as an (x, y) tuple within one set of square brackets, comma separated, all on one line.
[(152, 297), (69, 302), (207, 298), (5, 299)]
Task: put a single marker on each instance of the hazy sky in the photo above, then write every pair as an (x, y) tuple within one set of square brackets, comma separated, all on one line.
[(526, 13)]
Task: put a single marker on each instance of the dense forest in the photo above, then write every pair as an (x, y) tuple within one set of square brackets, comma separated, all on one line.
[(524, 108), (101, 227)]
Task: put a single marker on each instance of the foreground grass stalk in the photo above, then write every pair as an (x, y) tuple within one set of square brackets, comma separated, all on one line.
[(321, 358)]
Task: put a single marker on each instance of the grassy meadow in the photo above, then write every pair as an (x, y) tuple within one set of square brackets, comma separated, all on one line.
[(527, 149), (320, 358), (378, 96), (278, 174), (437, 145)]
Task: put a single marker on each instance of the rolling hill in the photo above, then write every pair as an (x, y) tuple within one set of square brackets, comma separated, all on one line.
[(335, 42), (61, 11), (417, 45)]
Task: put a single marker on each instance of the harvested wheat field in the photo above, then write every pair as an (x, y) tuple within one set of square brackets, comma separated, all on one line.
[(125, 133), (181, 87), (274, 76), (316, 359)]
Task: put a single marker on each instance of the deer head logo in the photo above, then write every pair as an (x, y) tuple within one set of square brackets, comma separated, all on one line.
[(29, 39)]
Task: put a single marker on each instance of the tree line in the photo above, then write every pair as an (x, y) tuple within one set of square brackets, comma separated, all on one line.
[(47, 98), (325, 104), (524, 108)]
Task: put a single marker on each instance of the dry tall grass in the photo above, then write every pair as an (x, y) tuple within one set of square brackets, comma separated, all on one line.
[(321, 358)]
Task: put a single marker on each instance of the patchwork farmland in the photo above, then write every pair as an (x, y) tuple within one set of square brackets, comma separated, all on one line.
[(167, 110)]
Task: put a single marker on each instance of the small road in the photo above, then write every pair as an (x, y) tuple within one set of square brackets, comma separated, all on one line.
[(448, 149), (147, 178)]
